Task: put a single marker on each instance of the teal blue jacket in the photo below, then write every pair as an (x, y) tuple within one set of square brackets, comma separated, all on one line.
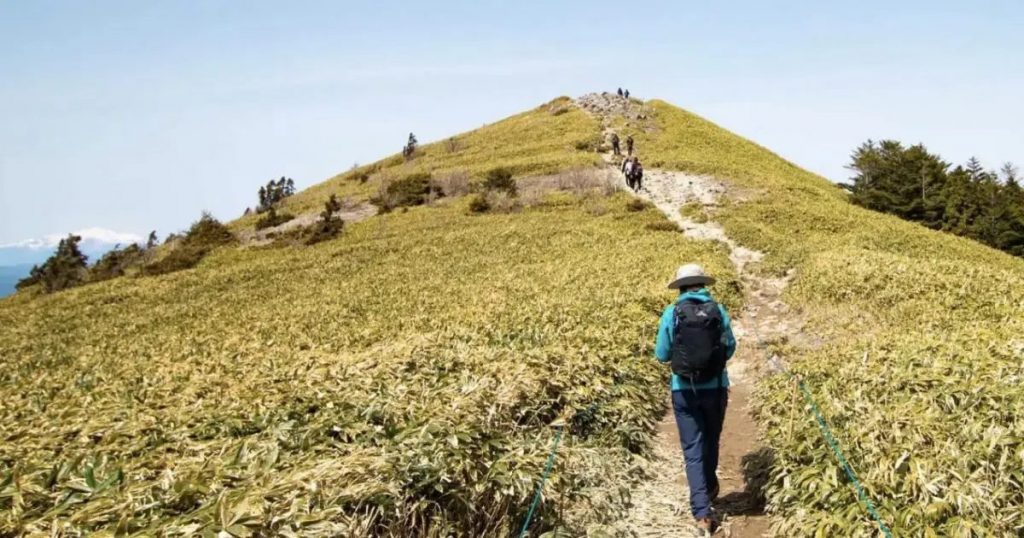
[(663, 345)]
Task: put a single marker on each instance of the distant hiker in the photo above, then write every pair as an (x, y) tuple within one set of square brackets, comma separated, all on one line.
[(626, 94), (629, 145), (620, 92), (695, 338), (627, 170), (615, 144), (638, 175), (410, 147)]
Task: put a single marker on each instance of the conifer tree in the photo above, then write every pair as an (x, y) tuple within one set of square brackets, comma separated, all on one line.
[(64, 269)]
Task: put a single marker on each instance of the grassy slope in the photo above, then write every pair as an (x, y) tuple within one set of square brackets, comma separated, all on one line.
[(922, 365), (399, 379), (539, 141), (282, 382)]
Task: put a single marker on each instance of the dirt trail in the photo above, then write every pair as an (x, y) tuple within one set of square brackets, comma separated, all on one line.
[(661, 504)]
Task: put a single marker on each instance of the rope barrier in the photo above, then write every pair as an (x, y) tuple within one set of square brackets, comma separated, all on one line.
[(588, 412), (862, 495), (544, 478), (826, 431)]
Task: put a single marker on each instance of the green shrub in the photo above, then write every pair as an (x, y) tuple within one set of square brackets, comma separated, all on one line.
[(182, 257), (273, 218), (208, 231), (114, 263), (479, 204), (500, 179), (329, 225), (412, 190), (203, 236)]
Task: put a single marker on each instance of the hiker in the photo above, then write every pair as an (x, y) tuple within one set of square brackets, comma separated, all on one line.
[(626, 94), (695, 338), (620, 92), (627, 170), (629, 145), (638, 175), (615, 144)]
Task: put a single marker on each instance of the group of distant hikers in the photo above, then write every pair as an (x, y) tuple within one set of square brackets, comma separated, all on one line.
[(624, 94), (631, 166)]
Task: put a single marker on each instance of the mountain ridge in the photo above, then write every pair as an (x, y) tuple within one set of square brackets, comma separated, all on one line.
[(403, 379)]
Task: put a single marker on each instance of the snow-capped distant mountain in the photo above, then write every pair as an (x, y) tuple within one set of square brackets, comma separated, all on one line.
[(17, 259)]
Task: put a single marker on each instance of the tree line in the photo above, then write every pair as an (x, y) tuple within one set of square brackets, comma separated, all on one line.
[(967, 200), (68, 266), (273, 192)]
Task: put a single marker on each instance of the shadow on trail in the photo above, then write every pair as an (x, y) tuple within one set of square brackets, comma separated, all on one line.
[(757, 466)]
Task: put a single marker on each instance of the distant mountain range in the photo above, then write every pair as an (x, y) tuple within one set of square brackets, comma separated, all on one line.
[(17, 259)]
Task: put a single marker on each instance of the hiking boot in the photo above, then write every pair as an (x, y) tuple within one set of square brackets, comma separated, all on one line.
[(705, 527)]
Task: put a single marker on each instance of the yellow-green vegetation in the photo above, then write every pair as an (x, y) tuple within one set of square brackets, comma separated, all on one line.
[(402, 379), (548, 139), (919, 370), (399, 380), (680, 140)]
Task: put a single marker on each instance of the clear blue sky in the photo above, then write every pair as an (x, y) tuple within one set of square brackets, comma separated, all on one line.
[(137, 115)]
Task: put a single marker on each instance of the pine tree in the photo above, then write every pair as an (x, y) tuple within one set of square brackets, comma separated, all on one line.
[(274, 191), (409, 150), (962, 207), (907, 182), (991, 213), (1012, 239), (64, 269)]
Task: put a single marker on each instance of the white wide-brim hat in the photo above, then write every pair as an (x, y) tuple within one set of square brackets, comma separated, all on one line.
[(690, 274)]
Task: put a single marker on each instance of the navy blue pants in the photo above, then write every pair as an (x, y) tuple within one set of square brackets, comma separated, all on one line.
[(699, 417)]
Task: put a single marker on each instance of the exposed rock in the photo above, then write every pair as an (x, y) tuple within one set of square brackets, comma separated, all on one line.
[(606, 105)]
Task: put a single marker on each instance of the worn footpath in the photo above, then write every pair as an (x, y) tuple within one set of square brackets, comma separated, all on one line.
[(660, 504)]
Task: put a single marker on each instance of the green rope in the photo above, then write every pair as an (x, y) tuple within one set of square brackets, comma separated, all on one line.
[(827, 432), (862, 495), (543, 479)]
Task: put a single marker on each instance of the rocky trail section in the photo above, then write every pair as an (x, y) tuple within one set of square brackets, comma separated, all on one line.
[(350, 212), (660, 504)]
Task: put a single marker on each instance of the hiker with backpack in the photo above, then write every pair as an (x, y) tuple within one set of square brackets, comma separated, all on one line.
[(629, 145), (615, 144), (627, 170), (620, 92), (637, 180), (695, 338)]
